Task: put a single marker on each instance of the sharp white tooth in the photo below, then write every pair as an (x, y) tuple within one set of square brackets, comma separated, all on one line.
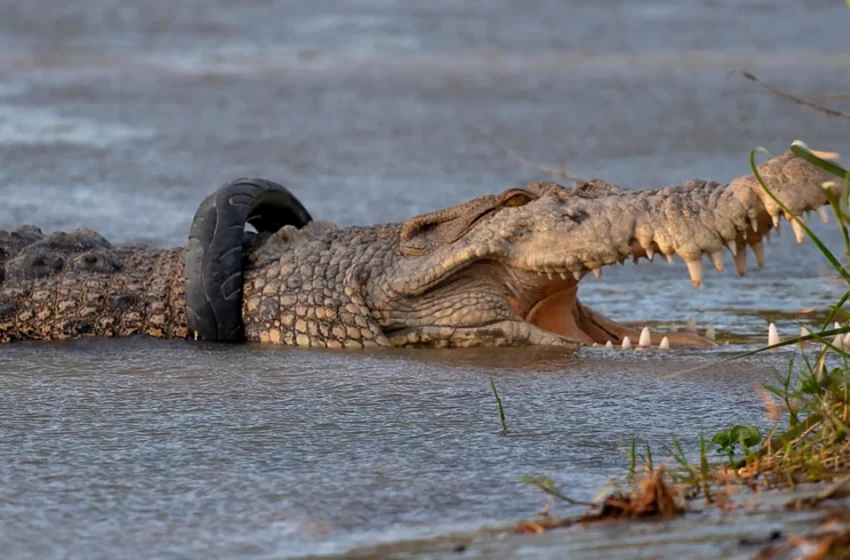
[(836, 325), (709, 333), (772, 335), (838, 342), (674, 328), (577, 275), (824, 217), (733, 248), (695, 270), (626, 343), (744, 235), (804, 331), (692, 324), (846, 340), (549, 275), (597, 273), (595, 344), (717, 258), (669, 258), (539, 273), (776, 219), (755, 224), (665, 344), (562, 275), (645, 338), (741, 261), (758, 251), (797, 226), (609, 344), (650, 254)]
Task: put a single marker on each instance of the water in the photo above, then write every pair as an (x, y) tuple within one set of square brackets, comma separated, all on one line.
[(124, 117)]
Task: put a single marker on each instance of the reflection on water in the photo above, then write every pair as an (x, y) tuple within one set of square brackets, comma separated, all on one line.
[(124, 117)]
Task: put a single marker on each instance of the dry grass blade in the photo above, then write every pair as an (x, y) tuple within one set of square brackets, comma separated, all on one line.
[(798, 99), (557, 172)]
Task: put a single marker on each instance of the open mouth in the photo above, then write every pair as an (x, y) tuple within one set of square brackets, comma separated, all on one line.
[(549, 300)]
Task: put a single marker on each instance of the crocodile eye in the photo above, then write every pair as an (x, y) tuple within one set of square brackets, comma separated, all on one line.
[(518, 198)]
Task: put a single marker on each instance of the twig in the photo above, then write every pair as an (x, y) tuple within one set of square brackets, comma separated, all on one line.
[(798, 99), (560, 173), (553, 492)]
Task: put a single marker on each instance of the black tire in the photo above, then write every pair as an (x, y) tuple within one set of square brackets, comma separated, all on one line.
[(214, 252)]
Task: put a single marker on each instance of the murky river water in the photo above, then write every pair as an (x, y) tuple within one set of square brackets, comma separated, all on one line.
[(124, 116)]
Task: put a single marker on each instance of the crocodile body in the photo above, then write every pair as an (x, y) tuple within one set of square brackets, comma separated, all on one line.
[(498, 270)]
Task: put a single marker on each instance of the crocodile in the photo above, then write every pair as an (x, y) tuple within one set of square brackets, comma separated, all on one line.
[(500, 269)]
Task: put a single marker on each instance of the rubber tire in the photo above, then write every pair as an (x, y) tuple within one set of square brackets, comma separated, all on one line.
[(214, 252)]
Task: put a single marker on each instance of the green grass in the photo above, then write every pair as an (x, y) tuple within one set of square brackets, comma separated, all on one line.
[(501, 407)]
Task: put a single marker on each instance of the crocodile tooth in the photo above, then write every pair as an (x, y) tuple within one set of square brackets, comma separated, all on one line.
[(804, 331), (733, 248), (650, 254), (597, 273), (709, 333), (695, 270), (772, 335), (692, 324), (645, 338), (665, 344), (549, 275), (562, 275), (846, 340), (758, 251), (797, 226), (776, 219), (577, 275), (609, 344), (539, 273), (741, 262), (744, 235), (669, 258), (838, 342), (755, 224), (717, 258), (626, 343), (836, 325), (824, 217), (674, 327), (635, 258)]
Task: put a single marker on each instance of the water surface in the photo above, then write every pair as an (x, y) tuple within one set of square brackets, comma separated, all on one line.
[(123, 117)]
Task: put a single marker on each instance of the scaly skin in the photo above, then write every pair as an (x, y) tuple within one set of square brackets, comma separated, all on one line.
[(74, 284), (498, 270)]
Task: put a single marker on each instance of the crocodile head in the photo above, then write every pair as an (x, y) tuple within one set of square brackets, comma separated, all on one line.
[(506, 268)]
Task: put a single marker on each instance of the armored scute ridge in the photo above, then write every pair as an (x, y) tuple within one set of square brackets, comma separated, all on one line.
[(498, 270)]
